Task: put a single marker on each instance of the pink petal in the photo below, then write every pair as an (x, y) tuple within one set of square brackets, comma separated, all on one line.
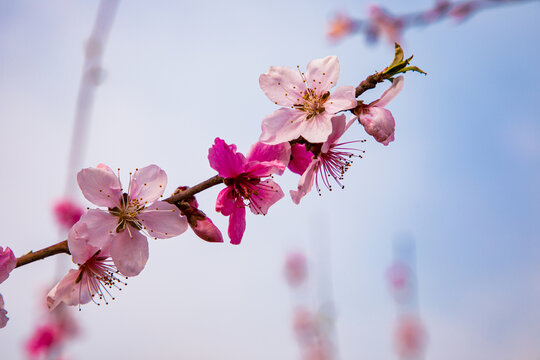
[(129, 251), (282, 85), (283, 125), (318, 128), (225, 160), (237, 224), (342, 99), (322, 74), (3, 318), (163, 220), (268, 194), (206, 230), (8, 261), (225, 202), (379, 123), (100, 186), (263, 152), (68, 291), (390, 93), (301, 158), (264, 168), (78, 238), (338, 128), (306, 182), (148, 184), (99, 231)]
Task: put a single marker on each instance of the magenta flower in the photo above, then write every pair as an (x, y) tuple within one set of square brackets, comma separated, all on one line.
[(96, 273), (3, 318), (244, 181), (67, 212), (300, 159), (8, 261), (332, 161), (378, 121), (201, 225), (307, 103), (129, 214)]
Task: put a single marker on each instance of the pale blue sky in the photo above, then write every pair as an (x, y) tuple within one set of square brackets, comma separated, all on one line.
[(461, 178)]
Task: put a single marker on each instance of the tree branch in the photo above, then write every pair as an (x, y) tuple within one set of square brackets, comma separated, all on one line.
[(62, 247), (369, 83)]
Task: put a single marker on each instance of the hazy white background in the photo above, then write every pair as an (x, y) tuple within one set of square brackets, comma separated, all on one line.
[(461, 178)]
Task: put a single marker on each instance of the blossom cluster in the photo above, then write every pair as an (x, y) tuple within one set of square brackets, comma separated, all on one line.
[(109, 243), (381, 23)]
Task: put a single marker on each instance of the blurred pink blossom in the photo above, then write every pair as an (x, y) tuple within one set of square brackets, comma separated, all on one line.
[(295, 268), (339, 27), (67, 212), (462, 11), (410, 337), (308, 106), (378, 121), (129, 214), (243, 178), (381, 22)]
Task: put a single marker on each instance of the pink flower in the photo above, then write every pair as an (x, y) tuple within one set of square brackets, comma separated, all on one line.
[(128, 214), (244, 181), (383, 23), (295, 268), (96, 273), (332, 161), (67, 212), (8, 261), (410, 337), (201, 225), (340, 26), (378, 121), (3, 318), (306, 100)]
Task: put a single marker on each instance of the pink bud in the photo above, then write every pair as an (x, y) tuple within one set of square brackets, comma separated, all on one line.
[(206, 230)]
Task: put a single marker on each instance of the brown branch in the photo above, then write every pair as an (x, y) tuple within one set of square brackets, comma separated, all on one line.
[(179, 196), (61, 247), (369, 83)]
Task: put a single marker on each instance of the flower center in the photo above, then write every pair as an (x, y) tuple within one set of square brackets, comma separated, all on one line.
[(127, 213), (99, 275), (313, 104)]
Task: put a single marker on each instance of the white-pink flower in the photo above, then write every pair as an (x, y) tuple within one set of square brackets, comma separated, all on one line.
[(95, 276), (378, 121), (332, 161), (307, 103), (129, 214)]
